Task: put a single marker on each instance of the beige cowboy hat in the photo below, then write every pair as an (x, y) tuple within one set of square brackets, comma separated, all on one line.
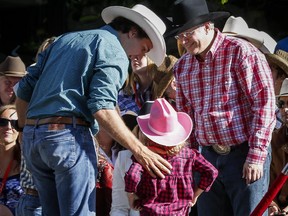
[(148, 21), (280, 58), (237, 27), (164, 75), (12, 67)]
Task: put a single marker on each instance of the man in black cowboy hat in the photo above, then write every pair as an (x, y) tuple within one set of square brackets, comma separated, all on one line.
[(225, 85)]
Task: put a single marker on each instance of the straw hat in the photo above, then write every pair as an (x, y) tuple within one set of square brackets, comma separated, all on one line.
[(164, 125), (237, 27), (280, 58), (12, 67), (148, 21), (164, 75)]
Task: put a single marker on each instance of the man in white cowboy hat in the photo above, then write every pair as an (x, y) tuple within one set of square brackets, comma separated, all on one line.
[(12, 69), (71, 90), (225, 85)]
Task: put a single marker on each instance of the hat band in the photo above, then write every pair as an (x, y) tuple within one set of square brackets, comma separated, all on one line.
[(156, 131)]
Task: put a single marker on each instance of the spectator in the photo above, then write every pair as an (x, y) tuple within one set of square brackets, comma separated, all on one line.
[(279, 143), (12, 69), (10, 189)]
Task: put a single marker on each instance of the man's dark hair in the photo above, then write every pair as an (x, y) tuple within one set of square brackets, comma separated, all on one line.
[(124, 25)]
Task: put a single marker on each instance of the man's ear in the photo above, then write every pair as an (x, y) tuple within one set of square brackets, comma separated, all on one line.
[(132, 33)]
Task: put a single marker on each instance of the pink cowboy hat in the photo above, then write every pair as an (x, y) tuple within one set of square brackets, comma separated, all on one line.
[(164, 125)]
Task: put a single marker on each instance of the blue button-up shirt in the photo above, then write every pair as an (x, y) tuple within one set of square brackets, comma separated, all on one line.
[(79, 74)]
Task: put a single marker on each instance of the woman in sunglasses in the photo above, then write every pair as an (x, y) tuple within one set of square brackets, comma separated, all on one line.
[(10, 157)]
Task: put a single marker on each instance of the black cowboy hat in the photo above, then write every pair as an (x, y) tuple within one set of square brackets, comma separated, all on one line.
[(190, 13)]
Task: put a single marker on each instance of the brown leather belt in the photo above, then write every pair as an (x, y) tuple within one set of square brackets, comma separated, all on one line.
[(31, 192), (57, 120)]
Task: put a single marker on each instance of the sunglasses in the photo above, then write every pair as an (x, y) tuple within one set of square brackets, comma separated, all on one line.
[(4, 122)]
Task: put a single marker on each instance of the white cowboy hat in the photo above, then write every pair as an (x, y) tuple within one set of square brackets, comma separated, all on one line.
[(148, 21), (284, 88), (237, 27)]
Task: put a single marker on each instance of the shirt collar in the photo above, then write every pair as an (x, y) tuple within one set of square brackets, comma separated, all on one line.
[(217, 42), (111, 30)]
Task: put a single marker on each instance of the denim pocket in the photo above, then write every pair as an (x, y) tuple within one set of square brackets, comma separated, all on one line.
[(59, 147)]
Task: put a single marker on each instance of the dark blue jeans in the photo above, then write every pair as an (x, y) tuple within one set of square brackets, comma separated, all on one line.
[(63, 164), (230, 195)]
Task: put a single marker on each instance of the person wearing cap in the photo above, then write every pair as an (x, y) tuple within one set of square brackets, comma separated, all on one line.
[(12, 69), (165, 131), (71, 90), (225, 85)]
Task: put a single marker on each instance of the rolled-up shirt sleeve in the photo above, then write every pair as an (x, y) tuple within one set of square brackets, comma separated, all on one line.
[(110, 73)]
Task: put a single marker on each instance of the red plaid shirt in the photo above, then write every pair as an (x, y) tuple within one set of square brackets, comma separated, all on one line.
[(170, 196), (229, 96)]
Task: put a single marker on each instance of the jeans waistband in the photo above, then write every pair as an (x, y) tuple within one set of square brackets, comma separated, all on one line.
[(57, 120)]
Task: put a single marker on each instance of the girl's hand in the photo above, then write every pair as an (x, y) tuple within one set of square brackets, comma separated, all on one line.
[(132, 197)]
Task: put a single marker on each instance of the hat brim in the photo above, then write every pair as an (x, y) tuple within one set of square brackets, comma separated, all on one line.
[(179, 135), (256, 41), (157, 53), (275, 59), (282, 95), (13, 74), (202, 19)]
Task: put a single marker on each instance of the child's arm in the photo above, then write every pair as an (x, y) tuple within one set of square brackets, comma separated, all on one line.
[(197, 193), (132, 197)]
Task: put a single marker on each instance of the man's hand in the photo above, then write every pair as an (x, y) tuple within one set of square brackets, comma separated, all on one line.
[(111, 121), (252, 172), (153, 162)]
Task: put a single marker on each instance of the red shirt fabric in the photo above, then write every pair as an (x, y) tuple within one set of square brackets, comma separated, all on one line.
[(170, 196), (229, 96)]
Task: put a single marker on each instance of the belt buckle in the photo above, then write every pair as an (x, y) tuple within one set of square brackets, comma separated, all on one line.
[(220, 149)]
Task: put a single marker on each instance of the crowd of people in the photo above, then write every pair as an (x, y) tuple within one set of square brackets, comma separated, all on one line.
[(106, 122)]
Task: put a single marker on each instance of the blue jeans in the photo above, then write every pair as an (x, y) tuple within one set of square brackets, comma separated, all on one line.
[(28, 206), (63, 164), (229, 194)]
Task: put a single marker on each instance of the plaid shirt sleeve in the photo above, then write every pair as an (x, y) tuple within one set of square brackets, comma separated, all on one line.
[(133, 177), (256, 81), (207, 171)]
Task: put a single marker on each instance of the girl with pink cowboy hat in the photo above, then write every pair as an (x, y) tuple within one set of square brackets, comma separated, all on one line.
[(167, 131)]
